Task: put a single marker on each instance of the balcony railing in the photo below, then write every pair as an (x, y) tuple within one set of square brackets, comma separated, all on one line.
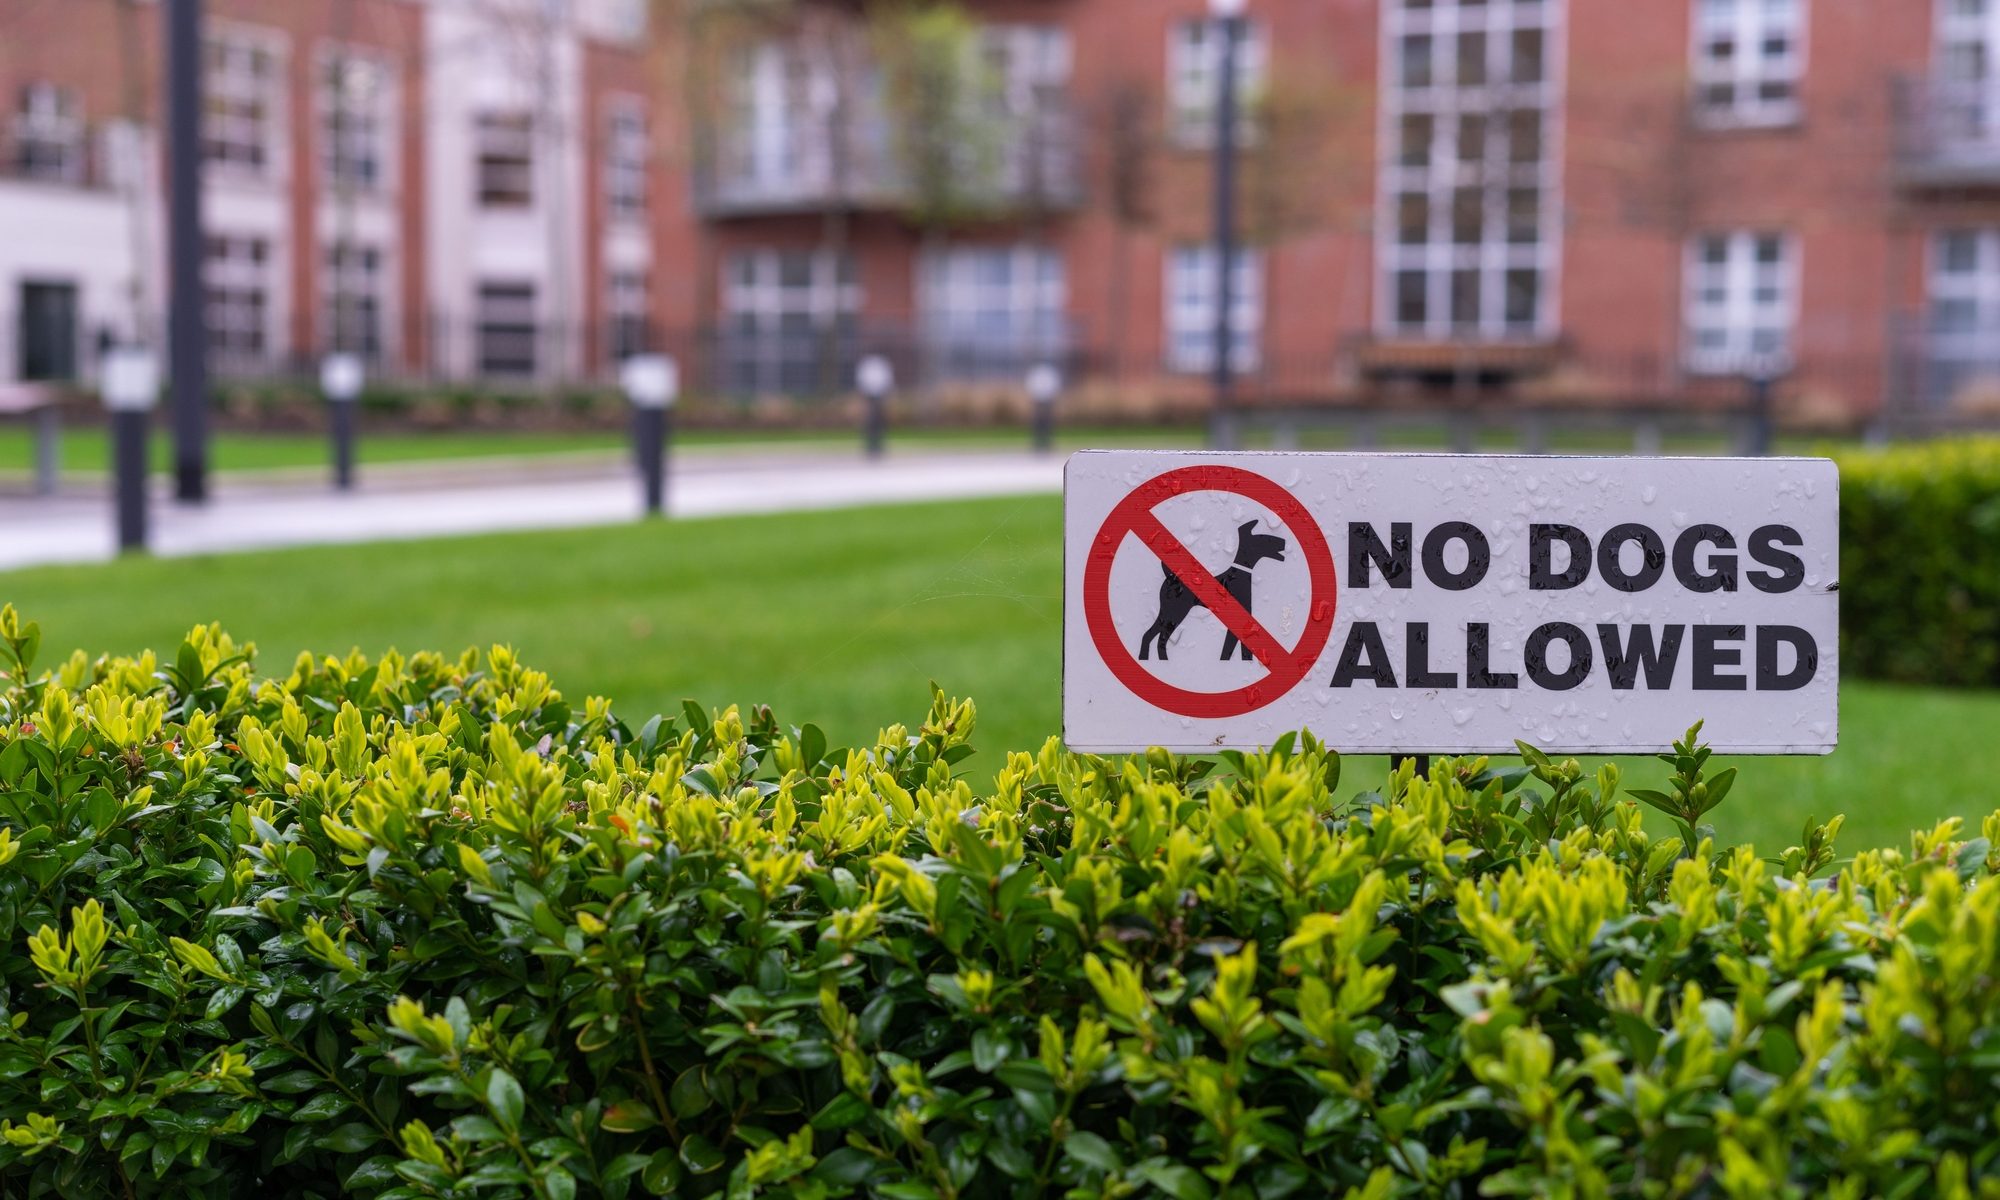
[(1034, 166), (1948, 133), (1941, 375)]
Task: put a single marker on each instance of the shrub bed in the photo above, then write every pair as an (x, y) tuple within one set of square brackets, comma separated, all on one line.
[(1920, 562), (420, 926)]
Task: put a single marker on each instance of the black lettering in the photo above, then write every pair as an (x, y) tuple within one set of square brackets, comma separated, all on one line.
[(1652, 558), (1805, 662), (1542, 541), (1722, 574), (1364, 546), (1710, 654), (1478, 660), (1417, 671), (1536, 656), (1788, 571), (1363, 657), (1624, 663), (1478, 556)]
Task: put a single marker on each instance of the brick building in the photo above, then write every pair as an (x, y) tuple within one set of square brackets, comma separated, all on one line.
[(1586, 201)]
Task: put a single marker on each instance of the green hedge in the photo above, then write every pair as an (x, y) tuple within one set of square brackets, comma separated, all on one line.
[(1920, 562), (422, 927)]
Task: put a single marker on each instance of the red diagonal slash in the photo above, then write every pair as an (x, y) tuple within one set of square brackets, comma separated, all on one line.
[(1188, 569)]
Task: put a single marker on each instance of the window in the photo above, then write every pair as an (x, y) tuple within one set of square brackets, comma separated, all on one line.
[(1194, 79), (507, 330), (1748, 60), (351, 293), (991, 311), (48, 135), (1965, 290), (776, 143), (1030, 65), (355, 108), (788, 321), (625, 154), (1740, 300), (1468, 241), (506, 169), (1190, 291), (628, 315), (242, 91), (1964, 100), (237, 280)]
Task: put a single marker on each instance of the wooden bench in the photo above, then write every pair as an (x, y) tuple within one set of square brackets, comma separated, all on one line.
[(38, 403)]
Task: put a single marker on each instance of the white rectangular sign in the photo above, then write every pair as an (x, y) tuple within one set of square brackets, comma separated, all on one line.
[(1438, 603)]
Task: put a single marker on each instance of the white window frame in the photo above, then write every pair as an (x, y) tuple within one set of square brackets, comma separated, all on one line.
[(628, 310), (355, 292), (48, 119), (368, 124), (957, 292), (1194, 80), (1979, 288), (1723, 299), (1188, 294), (239, 298), (754, 293), (1746, 24), (516, 316), (248, 144), (627, 160), (1440, 173), (497, 132)]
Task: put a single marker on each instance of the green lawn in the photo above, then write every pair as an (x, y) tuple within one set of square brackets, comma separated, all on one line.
[(85, 454), (842, 619)]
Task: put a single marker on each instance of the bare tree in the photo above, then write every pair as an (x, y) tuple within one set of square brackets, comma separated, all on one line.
[(1129, 144)]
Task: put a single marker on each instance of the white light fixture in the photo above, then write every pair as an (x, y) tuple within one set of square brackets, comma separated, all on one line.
[(650, 380), (1225, 10), (341, 376), (130, 379), (1044, 383), (874, 376)]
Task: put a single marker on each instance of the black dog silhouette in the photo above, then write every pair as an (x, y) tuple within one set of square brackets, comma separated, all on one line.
[(1176, 601)]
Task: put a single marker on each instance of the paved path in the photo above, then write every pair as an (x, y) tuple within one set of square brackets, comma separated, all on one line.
[(416, 503)]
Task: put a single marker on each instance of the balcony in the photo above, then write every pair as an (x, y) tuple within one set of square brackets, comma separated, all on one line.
[(1948, 133), (790, 167), (1944, 374)]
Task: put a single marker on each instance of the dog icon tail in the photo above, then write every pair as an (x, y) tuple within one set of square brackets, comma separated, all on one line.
[(1166, 570)]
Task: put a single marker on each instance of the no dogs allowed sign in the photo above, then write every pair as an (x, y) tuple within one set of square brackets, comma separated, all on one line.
[(1414, 603)]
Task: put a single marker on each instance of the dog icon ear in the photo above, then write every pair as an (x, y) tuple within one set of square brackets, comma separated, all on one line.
[(1246, 527)]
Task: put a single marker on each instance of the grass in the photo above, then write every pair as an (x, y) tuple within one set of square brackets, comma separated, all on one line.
[(85, 453), (842, 619)]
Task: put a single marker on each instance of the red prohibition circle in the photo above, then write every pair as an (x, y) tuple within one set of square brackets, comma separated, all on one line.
[(1134, 516)]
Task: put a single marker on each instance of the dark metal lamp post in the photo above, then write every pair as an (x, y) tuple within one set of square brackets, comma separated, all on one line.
[(652, 382), (131, 388), (1228, 16), (1044, 388), (340, 379), (876, 379)]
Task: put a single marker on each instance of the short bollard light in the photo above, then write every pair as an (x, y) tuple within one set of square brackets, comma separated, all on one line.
[(876, 379), (340, 379), (131, 387), (1044, 388), (652, 382)]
